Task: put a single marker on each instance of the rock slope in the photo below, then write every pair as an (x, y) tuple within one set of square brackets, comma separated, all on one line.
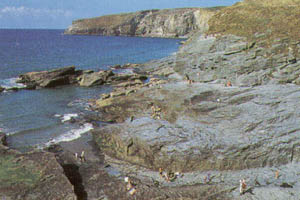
[(35, 175), (227, 106), (204, 127), (150, 23), (246, 44)]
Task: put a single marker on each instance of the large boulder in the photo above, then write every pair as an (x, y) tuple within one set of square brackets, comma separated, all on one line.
[(52, 78), (1, 89)]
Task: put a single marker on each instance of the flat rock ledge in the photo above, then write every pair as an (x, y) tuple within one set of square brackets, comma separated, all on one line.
[(200, 126), (34, 175), (94, 180)]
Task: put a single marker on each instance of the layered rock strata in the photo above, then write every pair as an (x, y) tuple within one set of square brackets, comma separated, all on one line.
[(203, 127), (94, 179), (71, 76), (50, 79), (150, 23)]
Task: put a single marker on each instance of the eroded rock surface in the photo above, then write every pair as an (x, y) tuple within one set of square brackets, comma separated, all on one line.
[(35, 175), (71, 76), (204, 127), (50, 79), (230, 58), (95, 78), (94, 179)]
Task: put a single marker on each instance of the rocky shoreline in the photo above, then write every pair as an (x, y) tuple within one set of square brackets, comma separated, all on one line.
[(218, 120)]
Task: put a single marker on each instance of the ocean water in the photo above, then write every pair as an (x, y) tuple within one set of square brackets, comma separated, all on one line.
[(35, 118)]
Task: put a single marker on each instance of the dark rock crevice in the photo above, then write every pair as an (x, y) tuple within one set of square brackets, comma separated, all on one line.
[(71, 170), (72, 173)]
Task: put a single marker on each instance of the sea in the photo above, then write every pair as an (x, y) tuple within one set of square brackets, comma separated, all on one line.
[(39, 118)]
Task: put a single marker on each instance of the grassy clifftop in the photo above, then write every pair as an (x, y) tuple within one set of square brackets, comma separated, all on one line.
[(273, 2), (276, 18), (108, 20)]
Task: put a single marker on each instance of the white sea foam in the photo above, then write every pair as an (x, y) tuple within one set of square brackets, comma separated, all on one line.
[(5, 130), (10, 133), (78, 102), (67, 117), (11, 83), (71, 135), (174, 54)]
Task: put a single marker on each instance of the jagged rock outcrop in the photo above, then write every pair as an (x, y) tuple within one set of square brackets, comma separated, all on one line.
[(95, 78), (233, 58), (150, 23), (108, 77), (50, 79), (71, 76)]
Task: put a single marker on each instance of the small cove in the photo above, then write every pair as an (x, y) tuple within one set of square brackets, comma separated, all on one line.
[(34, 118)]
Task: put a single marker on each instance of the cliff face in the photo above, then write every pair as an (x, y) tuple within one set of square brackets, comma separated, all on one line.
[(150, 23)]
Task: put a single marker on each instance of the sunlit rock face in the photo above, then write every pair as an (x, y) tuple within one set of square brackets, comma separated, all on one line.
[(151, 23)]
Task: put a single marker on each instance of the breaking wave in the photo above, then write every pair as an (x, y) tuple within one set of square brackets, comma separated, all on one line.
[(71, 135), (11, 83)]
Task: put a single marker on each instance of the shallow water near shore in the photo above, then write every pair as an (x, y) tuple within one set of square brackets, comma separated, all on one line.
[(42, 117)]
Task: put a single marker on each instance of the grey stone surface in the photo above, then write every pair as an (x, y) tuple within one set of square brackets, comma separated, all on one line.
[(230, 58), (50, 79), (95, 78), (34, 175), (208, 126), (230, 133)]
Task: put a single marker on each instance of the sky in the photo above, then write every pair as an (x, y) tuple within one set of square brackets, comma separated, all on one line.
[(59, 14)]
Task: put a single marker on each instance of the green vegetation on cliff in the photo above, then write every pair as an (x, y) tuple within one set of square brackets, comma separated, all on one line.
[(274, 18), (11, 172)]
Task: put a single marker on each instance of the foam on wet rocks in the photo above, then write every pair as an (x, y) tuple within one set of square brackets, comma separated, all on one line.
[(11, 83), (72, 134)]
